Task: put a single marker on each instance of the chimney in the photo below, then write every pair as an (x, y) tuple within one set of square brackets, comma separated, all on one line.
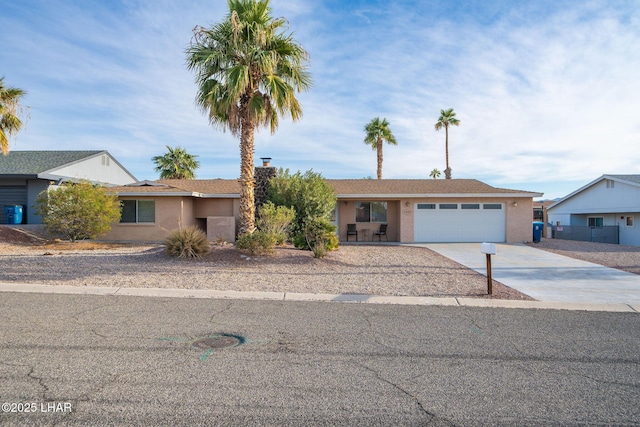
[(266, 161), (262, 176)]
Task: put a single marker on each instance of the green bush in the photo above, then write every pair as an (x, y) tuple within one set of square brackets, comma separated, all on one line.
[(320, 236), (257, 243), (189, 242), (78, 211), (309, 195), (275, 220)]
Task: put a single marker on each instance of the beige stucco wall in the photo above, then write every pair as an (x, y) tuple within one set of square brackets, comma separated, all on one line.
[(171, 214), (347, 215), (520, 221)]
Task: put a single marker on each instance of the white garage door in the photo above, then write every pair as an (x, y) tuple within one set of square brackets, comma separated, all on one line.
[(459, 222)]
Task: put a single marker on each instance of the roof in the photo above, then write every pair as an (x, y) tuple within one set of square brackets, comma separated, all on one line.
[(420, 188), (627, 179), (344, 188), (36, 162)]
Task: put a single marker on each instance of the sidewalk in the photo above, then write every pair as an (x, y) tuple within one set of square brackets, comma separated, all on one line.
[(289, 296), (547, 276)]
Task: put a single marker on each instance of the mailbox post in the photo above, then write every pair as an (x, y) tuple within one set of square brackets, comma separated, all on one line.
[(488, 249)]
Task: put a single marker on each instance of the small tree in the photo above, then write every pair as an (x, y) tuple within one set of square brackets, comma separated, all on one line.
[(309, 195), (78, 211), (176, 164), (275, 220)]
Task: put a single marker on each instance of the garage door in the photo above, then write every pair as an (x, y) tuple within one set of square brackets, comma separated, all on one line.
[(11, 195), (459, 222)]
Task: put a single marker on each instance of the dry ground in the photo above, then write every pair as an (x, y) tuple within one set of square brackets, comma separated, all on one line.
[(353, 269)]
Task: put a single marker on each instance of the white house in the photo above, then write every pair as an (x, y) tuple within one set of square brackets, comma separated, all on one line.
[(611, 200), (24, 174)]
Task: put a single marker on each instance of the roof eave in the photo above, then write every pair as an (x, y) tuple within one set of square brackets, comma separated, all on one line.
[(434, 195)]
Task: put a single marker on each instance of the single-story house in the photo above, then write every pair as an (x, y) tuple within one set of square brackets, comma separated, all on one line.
[(25, 174), (414, 210), (609, 201)]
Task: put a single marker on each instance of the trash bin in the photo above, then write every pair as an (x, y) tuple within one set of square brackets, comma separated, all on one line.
[(537, 231), (13, 213)]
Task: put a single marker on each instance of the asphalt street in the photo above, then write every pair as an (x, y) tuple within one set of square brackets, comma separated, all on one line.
[(123, 360)]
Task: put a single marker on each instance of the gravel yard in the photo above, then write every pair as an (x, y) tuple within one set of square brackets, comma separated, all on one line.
[(353, 269)]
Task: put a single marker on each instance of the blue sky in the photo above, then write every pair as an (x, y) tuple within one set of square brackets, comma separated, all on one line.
[(547, 92)]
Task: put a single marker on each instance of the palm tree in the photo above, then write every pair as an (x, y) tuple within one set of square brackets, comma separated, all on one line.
[(377, 132), (447, 117), (247, 71), (10, 110), (435, 174), (176, 164)]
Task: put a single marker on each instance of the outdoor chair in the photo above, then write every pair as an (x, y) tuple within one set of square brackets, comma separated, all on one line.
[(351, 231), (381, 232)]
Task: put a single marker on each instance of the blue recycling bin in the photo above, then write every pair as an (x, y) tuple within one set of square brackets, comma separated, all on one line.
[(537, 231), (13, 214)]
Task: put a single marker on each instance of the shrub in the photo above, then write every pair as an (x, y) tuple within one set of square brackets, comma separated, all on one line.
[(320, 236), (309, 195), (257, 243), (189, 242), (275, 220), (78, 211)]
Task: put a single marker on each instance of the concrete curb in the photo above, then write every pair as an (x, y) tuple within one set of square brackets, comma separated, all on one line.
[(292, 296)]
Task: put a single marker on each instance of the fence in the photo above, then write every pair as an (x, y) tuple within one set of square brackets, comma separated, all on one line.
[(606, 234)]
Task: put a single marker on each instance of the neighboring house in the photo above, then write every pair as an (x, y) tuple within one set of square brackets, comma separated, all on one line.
[(415, 210), (25, 174), (609, 201)]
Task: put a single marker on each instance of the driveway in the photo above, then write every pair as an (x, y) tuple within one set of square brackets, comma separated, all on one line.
[(546, 276)]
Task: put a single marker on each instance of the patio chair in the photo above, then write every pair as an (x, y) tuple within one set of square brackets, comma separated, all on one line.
[(351, 231), (381, 232)]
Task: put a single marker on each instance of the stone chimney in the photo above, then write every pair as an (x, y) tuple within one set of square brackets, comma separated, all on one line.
[(262, 175)]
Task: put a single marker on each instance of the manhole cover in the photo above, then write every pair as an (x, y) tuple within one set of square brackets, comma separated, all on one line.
[(218, 341)]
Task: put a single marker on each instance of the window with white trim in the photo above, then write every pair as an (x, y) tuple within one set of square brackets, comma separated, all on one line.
[(138, 211)]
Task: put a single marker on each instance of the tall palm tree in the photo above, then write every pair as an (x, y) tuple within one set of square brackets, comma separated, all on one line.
[(248, 71), (10, 110), (176, 164), (447, 118), (378, 131), (435, 174)]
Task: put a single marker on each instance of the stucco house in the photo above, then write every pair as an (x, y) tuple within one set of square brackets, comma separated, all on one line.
[(25, 174), (415, 210), (608, 201)]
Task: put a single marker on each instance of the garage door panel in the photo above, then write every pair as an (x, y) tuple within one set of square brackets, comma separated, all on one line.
[(434, 224)]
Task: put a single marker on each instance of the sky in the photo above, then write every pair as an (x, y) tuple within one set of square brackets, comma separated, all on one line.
[(547, 92)]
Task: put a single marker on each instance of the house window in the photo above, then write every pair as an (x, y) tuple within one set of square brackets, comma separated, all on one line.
[(371, 212), (492, 206), (610, 183), (426, 205), (448, 206), (596, 222), (135, 211), (470, 206), (629, 221)]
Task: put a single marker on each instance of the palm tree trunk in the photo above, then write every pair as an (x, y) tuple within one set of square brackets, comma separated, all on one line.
[(379, 150), (447, 171), (247, 181)]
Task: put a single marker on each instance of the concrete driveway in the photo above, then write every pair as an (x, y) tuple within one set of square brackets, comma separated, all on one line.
[(546, 276)]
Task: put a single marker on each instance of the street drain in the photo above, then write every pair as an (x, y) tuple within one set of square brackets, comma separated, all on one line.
[(218, 341)]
